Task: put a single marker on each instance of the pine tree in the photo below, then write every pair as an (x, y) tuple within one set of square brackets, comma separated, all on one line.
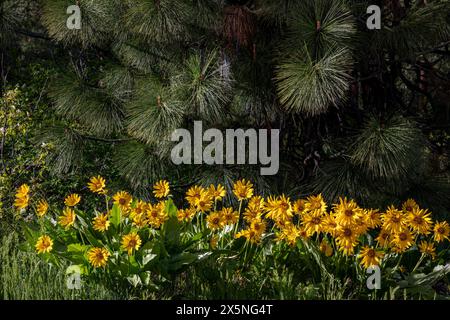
[(363, 113)]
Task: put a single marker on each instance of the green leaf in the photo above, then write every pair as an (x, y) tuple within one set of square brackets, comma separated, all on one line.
[(115, 216), (171, 209), (77, 248)]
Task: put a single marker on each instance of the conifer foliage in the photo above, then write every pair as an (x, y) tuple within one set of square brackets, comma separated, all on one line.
[(363, 113)]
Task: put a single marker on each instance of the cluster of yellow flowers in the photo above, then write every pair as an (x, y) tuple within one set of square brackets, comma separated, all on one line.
[(339, 228)]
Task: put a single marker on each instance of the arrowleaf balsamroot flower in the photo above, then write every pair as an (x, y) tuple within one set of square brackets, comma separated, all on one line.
[(161, 189), (316, 203), (44, 244), (193, 194), (229, 216), (370, 257), (409, 206), (68, 218), (131, 242), (402, 241), (326, 248), (123, 200), (101, 222), (372, 217), (384, 238), (347, 213), (243, 189), (393, 220), (428, 248), (97, 185), (22, 197), (313, 222), (214, 221), (98, 257), (217, 193), (441, 231), (204, 203), (186, 215), (420, 221), (72, 200), (157, 214), (42, 208), (299, 207)]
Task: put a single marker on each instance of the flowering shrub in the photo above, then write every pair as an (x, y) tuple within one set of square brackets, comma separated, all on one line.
[(146, 242)]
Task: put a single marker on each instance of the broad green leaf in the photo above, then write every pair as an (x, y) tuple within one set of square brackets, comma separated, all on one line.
[(115, 216)]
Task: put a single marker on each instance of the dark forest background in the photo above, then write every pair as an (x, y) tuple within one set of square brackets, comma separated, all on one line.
[(362, 113)]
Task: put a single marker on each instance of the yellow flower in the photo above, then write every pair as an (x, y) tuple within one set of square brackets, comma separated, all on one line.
[(22, 197), (289, 233), (72, 200), (217, 193), (157, 214), (313, 222), (420, 221), (68, 218), (361, 226), (42, 208), (329, 224), (204, 203), (326, 248), (161, 189), (427, 248), (98, 257), (214, 221), (347, 213), (279, 209), (186, 214), (384, 238), (123, 200), (299, 206), (131, 242), (254, 209), (23, 190), (44, 244), (409, 205), (373, 218), (346, 239), (259, 226), (101, 222), (229, 216), (251, 235), (139, 220), (393, 220), (243, 189), (402, 241), (193, 194), (97, 185), (213, 242), (316, 203), (140, 208), (370, 257), (441, 231)]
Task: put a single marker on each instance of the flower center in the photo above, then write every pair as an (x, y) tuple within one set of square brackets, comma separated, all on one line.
[(349, 213), (395, 219), (418, 220)]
